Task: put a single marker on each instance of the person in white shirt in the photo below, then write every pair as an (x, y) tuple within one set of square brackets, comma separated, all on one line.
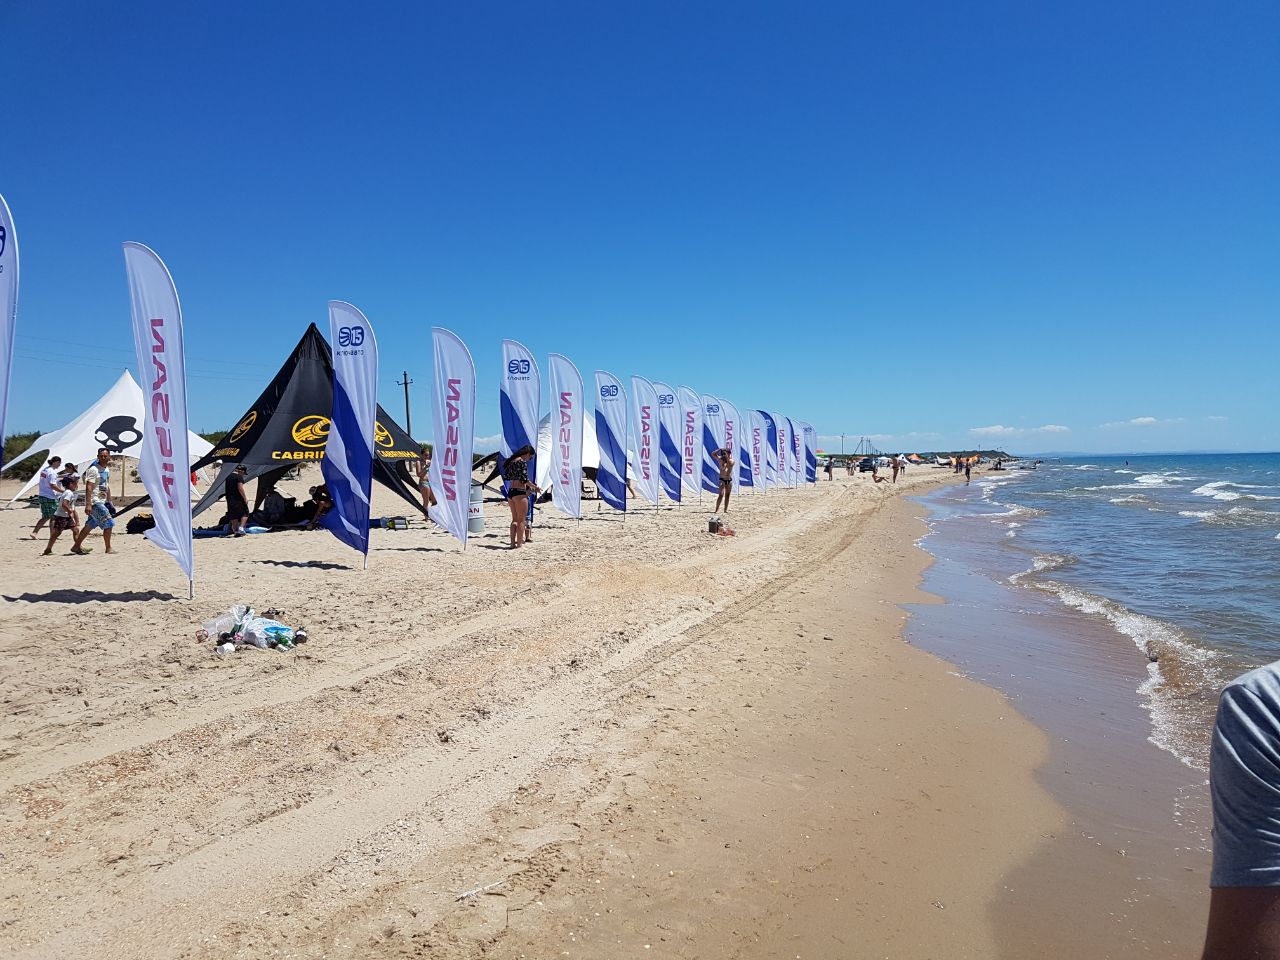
[(50, 490), (99, 510), (66, 517)]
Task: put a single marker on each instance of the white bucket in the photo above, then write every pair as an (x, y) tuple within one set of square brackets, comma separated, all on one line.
[(475, 517)]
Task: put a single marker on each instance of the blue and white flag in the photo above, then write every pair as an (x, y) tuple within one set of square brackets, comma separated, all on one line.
[(733, 439), (784, 451), (347, 466), (453, 410), (611, 433), (795, 472), (770, 463), (690, 439), (164, 465), (810, 454), (8, 310), (712, 440), (668, 441), (566, 435), (519, 396), (644, 438), (757, 437)]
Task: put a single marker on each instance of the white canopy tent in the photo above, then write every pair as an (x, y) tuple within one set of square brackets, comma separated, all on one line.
[(114, 422), (590, 448)]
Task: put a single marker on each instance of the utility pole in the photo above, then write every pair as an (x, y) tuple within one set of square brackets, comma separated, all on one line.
[(842, 444), (408, 423)]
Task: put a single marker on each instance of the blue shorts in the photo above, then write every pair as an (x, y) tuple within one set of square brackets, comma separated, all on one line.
[(100, 518)]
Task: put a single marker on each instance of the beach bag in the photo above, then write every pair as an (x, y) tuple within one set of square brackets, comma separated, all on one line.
[(140, 522)]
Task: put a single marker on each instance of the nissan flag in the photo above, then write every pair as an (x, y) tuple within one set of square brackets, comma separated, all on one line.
[(611, 436), (164, 464), (690, 439), (453, 409), (793, 461), (756, 439), (770, 464), (668, 441), (644, 437), (733, 439), (8, 310), (712, 440), (784, 445), (810, 454), (518, 398), (566, 436), (347, 466)]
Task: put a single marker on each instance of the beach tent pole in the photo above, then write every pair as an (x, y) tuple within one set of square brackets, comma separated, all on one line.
[(191, 589)]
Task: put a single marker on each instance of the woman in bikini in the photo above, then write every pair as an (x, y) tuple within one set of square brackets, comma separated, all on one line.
[(423, 471), (515, 472)]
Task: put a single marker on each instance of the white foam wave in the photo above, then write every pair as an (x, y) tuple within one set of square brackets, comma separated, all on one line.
[(1174, 725), (1234, 517), (1218, 491), (1132, 498), (1161, 479)]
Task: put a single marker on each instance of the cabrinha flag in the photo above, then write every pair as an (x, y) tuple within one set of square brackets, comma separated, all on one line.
[(347, 466), (164, 464), (644, 437), (8, 311), (566, 436), (453, 408), (733, 438), (611, 433), (668, 441), (521, 391), (810, 454), (712, 440), (756, 439), (690, 439)]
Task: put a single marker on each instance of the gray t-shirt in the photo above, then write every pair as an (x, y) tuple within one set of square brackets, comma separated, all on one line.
[(1245, 782)]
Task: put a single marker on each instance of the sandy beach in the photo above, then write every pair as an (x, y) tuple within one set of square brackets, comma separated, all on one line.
[(625, 740)]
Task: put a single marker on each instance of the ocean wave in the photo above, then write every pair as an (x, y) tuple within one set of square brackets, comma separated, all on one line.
[(1235, 517), (1046, 563), (1161, 479), (1218, 491), (1132, 498), (1182, 676)]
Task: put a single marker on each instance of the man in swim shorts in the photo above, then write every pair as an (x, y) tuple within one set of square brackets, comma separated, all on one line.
[(724, 457)]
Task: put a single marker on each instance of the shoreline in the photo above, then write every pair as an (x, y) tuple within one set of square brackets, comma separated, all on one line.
[(1138, 814), (723, 743)]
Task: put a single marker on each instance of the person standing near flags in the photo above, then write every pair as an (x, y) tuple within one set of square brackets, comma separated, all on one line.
[(515, 472), (724, 457)]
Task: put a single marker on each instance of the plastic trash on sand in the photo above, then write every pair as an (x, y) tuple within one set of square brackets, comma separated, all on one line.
[(241, 627)]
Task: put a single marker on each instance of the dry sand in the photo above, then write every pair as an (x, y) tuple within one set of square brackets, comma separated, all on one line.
[(633, 739)]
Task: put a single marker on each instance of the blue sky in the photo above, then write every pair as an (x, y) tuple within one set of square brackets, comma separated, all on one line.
[(1041, 226)]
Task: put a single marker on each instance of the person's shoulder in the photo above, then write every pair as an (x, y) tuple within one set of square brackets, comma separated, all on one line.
[(1262, 684)]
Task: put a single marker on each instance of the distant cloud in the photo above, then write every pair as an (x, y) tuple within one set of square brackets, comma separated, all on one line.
[(999, 430), (886, 439), (1214, 419), (1141, 422), (488, 444)]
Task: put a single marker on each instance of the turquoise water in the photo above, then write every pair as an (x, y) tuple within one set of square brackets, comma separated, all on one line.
[(1176, 556)]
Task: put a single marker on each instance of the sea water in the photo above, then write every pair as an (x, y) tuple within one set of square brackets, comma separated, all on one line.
[(1167, 565)]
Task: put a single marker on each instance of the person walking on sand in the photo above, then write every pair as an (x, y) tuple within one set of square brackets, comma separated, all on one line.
[(893, 463), (724, 457), (515, 472), (1244, 786), (99, 510), (831, 469), (66, 517), (50, 490), (967, 468), (237, 501)]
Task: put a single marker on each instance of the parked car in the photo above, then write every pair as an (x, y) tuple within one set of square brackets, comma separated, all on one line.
[(866, 464)]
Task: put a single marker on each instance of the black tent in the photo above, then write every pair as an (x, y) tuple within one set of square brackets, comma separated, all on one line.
[(288, 425)]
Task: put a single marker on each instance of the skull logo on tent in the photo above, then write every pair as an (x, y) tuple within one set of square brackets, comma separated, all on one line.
[(118, 434)]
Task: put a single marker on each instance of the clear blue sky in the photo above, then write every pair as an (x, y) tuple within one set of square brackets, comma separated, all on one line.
[(908, 220)]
